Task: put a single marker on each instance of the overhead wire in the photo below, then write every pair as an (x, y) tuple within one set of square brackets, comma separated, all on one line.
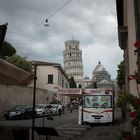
[(55, 12)]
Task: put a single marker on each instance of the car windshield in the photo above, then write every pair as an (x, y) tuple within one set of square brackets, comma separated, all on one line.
[(54, 106), (40, 106), (48, 106), (20, 107)]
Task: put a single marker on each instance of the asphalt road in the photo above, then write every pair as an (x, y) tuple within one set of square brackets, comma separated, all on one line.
[(68, 129), (97, 131), (57, 121)]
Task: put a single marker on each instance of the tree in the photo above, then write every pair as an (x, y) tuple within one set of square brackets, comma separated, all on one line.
[(20, 62), (121, 82), (72, 83), (7, 50), (55, 101), (121, 75), (80, 86), (94, 85)]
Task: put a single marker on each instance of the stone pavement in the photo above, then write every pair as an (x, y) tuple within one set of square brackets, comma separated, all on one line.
[(73, 131), (86, 132), (97, 131), (102, 132)]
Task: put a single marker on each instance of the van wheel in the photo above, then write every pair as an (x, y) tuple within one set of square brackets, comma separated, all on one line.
[(84, 123)]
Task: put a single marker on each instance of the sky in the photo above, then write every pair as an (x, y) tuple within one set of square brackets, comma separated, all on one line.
[(92, 22)]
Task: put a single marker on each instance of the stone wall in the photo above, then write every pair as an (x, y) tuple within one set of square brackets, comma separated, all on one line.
[(13, 95)]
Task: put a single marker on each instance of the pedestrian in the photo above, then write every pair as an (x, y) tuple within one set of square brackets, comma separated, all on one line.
[(63, 109), (59, 109), (71, 108)]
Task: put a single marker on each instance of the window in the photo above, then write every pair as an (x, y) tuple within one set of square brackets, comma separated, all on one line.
[(98, 101), (50, 79), (62, 83)]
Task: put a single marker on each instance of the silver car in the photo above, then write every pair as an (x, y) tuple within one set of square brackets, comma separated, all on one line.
[(54, 109), (44, 110)]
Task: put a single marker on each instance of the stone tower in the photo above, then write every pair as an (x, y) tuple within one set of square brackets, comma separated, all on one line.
[(73, 64)]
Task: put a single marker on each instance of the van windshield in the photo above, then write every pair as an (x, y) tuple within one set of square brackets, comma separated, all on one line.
[(98, 101)]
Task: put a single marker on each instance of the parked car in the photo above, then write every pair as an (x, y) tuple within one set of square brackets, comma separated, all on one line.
[(19, 112), (48, 109), (54, 109), (40, 109)]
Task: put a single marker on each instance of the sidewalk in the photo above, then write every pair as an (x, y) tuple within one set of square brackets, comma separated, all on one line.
[(106, 131), (73, 131)]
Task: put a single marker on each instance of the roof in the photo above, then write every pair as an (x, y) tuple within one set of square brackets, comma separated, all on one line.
[(104, 82), (72, 41), (99, 68), (12, 75), (41, 63)]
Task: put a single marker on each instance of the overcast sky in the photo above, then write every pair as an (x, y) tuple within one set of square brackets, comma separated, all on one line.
[(92, 22)]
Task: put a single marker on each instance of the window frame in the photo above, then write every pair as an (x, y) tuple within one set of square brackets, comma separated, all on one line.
[(50, 79)]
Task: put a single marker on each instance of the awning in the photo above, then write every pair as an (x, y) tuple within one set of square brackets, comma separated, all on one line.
[(12, 75)]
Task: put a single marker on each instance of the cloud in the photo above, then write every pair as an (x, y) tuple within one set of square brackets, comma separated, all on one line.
[(93, 23)]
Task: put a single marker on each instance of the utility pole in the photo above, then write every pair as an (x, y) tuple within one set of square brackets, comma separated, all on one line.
[(34, 98)]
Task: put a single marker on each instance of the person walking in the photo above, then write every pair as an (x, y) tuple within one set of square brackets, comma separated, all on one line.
[(71, 108), (63, 109), (59, 109)]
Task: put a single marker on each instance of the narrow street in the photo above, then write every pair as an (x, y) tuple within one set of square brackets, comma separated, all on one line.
[(73, 131), (67, 127)]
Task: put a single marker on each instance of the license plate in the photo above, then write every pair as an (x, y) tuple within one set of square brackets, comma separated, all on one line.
[(97, 121)]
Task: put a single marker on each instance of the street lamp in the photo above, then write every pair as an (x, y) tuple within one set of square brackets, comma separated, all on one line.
[(46, 23), (34, 89), (34, 98)]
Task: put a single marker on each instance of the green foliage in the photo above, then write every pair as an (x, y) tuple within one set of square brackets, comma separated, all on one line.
[(125, 135), (20, 62), (7, 50), (136, 76), (72, 83), (80, 86), (134, 117), (94, 85), (55, 102), (121, 75), (121, 102)]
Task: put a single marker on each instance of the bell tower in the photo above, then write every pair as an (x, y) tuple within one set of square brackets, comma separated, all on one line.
[(73, 63)]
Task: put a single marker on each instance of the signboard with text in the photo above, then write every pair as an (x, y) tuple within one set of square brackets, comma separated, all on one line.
[(70, 92)]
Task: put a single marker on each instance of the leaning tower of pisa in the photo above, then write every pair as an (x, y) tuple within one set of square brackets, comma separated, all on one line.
[(73, 64)]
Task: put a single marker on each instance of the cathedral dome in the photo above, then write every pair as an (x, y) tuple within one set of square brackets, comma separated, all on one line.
[(100, 73), (99, 68)]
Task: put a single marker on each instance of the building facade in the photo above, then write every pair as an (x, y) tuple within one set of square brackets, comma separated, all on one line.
[(88, 83), (73, 63), (100, 73), (51, 77), (100, 78), (128, 16)]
